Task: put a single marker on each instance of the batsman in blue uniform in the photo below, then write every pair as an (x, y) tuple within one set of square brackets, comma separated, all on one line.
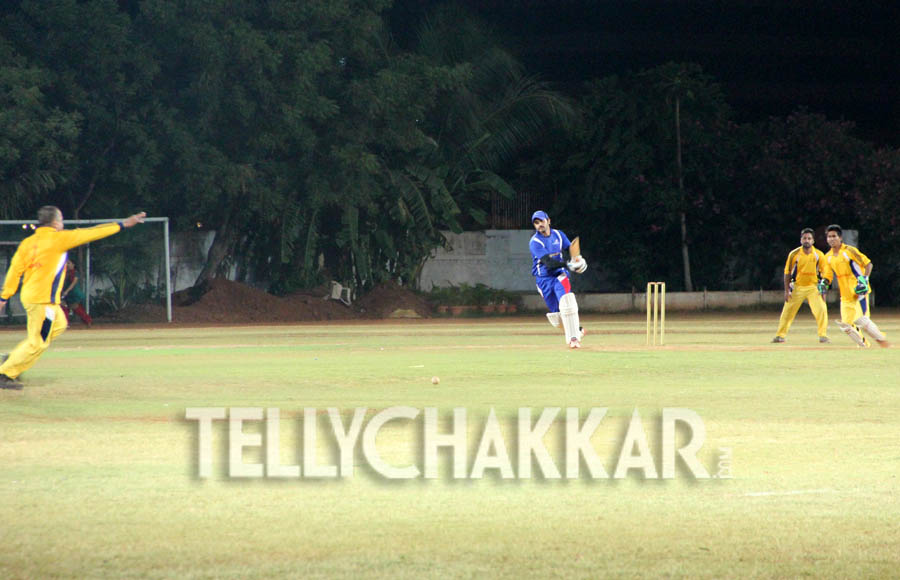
[(550, 270)]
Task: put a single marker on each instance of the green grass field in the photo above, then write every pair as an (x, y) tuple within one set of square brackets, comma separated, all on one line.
[(99, 468)]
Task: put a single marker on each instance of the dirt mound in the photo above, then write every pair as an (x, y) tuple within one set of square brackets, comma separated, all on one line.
[(306, 306), (225, 301), (391, 300), (222, 301)]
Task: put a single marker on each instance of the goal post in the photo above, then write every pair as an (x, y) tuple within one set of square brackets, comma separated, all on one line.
[(28, 226)]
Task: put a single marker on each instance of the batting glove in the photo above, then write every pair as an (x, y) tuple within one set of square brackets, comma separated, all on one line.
[(823, 286), (862, 285), (578, 265)]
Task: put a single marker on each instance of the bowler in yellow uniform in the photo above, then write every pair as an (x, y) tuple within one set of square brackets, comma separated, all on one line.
[(40, 263), (804, 268), (851, 270)]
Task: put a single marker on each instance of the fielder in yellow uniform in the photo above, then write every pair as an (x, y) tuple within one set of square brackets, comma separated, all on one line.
[(40, 262), (804, 268), (851, 270)]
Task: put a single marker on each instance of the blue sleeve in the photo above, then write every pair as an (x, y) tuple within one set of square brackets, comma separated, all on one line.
[(537, 250)]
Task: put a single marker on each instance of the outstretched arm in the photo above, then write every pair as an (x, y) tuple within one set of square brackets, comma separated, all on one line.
[(73, 238), (134, 220)]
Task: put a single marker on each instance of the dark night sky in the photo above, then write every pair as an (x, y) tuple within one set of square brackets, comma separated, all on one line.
[(837, 57)]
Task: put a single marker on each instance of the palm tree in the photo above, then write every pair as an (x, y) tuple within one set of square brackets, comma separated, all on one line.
[(686, 89), (483, 112), (678, 83), (420, 144), (493, 113)]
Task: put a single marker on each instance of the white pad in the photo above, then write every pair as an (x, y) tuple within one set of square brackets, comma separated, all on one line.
[(554, 319), (852, 333), (865, 323), (568, 310)]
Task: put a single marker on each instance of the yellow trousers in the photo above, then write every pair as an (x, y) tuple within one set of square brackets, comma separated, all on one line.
[(816, 304), (45, 323), (853, 309)]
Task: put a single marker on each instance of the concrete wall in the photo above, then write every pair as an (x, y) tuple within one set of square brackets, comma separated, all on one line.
[(627, 302), (187, 254), (497, 258), (189, 250), (501, 259)]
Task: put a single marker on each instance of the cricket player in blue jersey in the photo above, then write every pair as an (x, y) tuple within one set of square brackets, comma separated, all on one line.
[(549, 268)]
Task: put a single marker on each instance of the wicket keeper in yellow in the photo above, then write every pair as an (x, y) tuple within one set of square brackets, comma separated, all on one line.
[(852, 269), (804, 268), (40, 262)]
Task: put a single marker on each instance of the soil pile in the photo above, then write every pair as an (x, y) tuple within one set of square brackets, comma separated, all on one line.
[(389, 300), (221, 301)]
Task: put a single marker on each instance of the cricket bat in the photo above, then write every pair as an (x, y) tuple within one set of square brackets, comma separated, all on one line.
[(575, 248)]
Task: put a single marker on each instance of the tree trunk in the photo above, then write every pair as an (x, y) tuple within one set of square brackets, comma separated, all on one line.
[(217, 253), (685, 255), (93, 183)]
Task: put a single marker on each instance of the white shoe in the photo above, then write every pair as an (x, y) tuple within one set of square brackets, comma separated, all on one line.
[(574, 343)]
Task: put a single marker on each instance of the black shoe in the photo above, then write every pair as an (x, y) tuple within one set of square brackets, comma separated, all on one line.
[(9, 383)]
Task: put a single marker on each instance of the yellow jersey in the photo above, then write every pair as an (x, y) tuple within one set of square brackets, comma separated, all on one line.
[(848, 263), (805, 269), (40, 261)]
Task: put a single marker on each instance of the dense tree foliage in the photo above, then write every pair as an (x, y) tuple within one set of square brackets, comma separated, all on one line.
[(99, 73), (37, 140), (317, 146), (746, 190), (644, 183)]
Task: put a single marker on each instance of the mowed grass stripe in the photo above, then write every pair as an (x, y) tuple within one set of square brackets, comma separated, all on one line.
[(99, 478)]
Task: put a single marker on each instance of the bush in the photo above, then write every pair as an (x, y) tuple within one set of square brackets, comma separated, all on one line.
[(467, 295)]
